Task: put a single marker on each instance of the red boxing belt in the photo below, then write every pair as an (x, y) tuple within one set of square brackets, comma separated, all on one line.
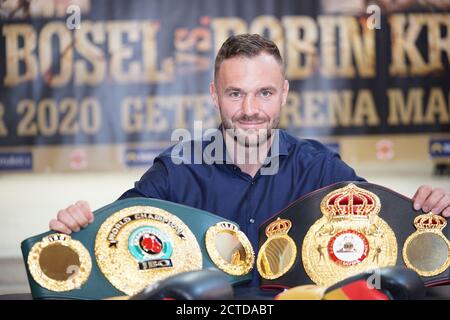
[(348, 228)]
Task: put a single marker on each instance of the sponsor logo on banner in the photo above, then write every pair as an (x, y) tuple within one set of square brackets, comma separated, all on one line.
[(78, 159), (140, 157), (384, 149), (439, 148), (16, 161)]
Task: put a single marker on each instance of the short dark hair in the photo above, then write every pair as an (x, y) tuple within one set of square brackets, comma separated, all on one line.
[(246, 45)]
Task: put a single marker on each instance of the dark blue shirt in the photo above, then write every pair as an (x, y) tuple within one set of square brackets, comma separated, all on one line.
[(223, 189)]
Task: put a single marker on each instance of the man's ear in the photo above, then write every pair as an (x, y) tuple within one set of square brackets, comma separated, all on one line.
[(213, 93), (285, 92)]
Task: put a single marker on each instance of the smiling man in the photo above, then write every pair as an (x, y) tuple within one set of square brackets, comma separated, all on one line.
[(249, 90)]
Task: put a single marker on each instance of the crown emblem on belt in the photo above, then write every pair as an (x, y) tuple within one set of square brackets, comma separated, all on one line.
[(279, 226), (228, 226), (429, 221), (350, 202)]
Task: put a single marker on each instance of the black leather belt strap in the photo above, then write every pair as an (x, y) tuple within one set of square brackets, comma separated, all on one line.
[(396, 210)]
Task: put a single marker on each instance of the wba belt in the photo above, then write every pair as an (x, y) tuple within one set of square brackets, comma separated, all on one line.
[(349, 228), (131, 244)]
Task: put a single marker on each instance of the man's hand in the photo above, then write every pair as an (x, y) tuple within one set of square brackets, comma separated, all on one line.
[(435, 200), (73, 218)]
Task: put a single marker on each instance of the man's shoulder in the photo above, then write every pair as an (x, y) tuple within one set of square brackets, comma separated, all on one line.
[(309, 153)]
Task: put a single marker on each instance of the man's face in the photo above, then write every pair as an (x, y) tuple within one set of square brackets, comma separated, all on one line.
[(249, 93)]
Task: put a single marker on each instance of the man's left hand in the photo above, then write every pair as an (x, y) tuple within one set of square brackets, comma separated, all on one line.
[(435, 200)]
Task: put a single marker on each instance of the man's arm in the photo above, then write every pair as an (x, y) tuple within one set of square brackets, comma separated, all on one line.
[(335, 170), (153, 184)]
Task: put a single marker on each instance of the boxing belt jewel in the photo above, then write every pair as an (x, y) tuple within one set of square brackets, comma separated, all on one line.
[(348, 228), (132, 244)]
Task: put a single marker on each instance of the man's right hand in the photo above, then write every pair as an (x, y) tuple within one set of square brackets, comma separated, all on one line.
[(73, 218)]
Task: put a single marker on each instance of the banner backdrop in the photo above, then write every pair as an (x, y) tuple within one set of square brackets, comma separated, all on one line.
[(101, 85)]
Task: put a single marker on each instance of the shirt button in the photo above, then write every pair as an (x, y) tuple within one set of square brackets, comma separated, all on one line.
[(252, 220)]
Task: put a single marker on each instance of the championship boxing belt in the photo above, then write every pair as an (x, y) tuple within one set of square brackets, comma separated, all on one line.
[(131, 244), (347, 228)]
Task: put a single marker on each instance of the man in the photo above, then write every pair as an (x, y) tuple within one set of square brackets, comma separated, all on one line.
[(249, 89)]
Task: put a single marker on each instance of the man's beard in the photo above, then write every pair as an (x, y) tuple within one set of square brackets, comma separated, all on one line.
[(250, 137)]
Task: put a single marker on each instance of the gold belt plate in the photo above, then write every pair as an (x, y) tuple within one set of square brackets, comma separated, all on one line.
[(140, 245), (427, 251), (349, 239)]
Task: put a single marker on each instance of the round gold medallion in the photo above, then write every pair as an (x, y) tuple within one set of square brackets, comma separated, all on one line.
[(59, 263), (427, 251), (140, 245), (278, 253), (229, 249), (349, 239)]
